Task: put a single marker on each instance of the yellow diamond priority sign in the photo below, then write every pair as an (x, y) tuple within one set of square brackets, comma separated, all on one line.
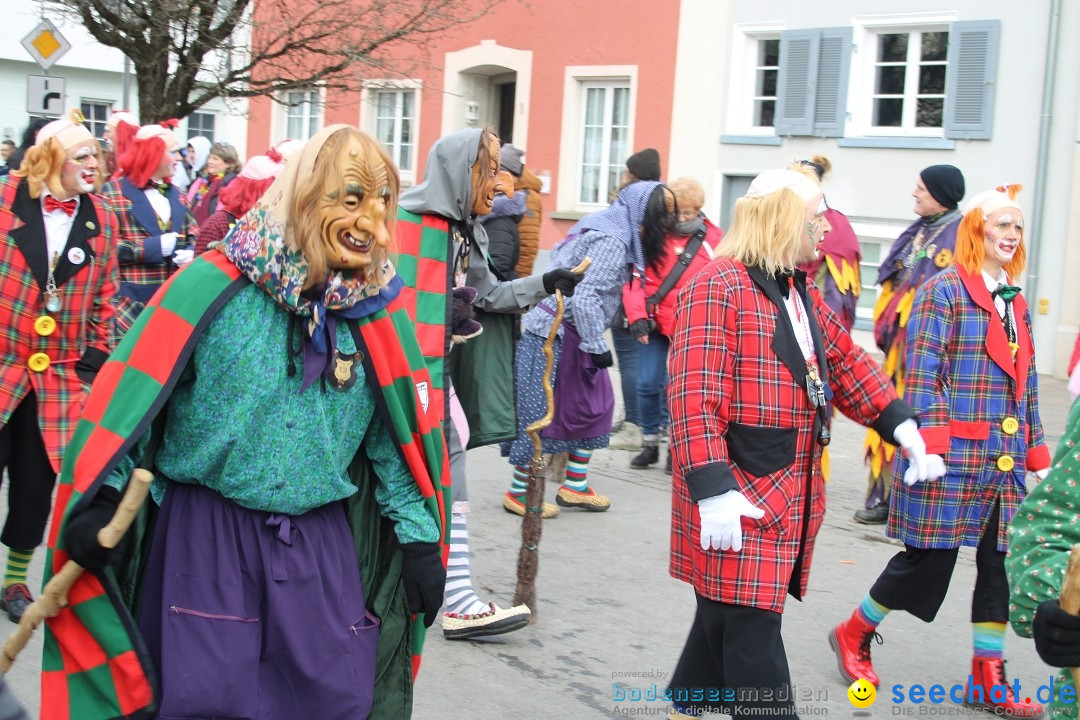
[(45, 44)]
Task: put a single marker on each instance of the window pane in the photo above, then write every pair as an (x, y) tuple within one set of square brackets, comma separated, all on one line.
[(892, 48), (888, 112), (293, 128), (618, 152), (890, 80), (594, 106), (620, 107), (769, 52), (406, 130), (935, 45), (384, 131), (405, 158), (594, 137), (386, 104), (590, 182), (766, 84), (407, 99), (931, 79), (763, 113), (928, 112)]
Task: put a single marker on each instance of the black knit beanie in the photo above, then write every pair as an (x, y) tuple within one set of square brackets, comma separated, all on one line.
[(945, 183), (645, 165)]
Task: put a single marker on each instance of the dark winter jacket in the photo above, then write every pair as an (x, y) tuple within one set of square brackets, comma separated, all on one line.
[(502, 229)]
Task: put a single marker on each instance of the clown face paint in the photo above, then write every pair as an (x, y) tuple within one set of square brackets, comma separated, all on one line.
[(352, 208), (816, 227), (483, 179), (80, 169), (168, 161), (1004, 231)]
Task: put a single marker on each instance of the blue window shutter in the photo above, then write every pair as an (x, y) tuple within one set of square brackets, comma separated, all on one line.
[(797, 82), (969, 87), (834, 67)]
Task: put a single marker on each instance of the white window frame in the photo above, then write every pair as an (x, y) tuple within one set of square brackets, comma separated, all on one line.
[(369, 121), (285, 114), (571, 152), (213, 131), (867, 30), (743, 80), (108, 111)]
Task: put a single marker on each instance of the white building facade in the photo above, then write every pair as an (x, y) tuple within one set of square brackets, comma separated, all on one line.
[(94, 77), (884, 89)]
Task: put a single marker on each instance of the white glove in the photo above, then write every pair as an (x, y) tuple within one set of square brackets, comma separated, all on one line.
[(183, 256), (1041, 474), (168, 243), (907, 436), (721, 520), (935, 468)]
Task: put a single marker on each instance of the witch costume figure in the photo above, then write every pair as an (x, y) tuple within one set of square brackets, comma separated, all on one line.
[(276, 390)]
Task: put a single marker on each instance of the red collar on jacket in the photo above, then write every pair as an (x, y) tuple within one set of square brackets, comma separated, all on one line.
[(997, 343)]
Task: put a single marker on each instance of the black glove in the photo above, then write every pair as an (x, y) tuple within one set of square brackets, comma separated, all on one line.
[(640, 328), (81, 530), (1057, 635), (562, 280), (424, 577), (602, 360)]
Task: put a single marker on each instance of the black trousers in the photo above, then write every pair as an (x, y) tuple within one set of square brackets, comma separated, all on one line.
[(917, 579), (733, 662), (30, 477)]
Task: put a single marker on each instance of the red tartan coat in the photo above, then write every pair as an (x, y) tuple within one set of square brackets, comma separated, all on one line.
[(143, 269), (741, 419), (86, 288), (964, 383)]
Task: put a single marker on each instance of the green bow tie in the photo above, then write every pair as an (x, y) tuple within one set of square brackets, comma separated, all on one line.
[(1005, 292)]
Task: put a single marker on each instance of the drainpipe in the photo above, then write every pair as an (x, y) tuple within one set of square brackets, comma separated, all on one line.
[(1041, 169)]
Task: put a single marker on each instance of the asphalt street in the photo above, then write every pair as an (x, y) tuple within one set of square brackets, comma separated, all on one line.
[(610, 622)]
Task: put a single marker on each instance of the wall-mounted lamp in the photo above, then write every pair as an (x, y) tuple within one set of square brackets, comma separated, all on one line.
[(472, 112)]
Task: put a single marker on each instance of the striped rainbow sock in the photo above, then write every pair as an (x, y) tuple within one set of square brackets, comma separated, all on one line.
[(871, 611), (989, 639), (520, 483), (18, 563), (577, 470)]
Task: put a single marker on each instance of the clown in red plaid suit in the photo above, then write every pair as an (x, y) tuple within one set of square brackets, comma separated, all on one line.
[(971, 379), (157, 234), (58, 277), (755, 357)]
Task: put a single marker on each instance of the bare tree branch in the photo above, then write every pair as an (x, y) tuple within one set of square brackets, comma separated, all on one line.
[(188, 52)]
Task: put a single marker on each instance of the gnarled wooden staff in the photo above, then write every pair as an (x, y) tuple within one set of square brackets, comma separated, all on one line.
[(1070, 595), (54, 597), (531, 525)]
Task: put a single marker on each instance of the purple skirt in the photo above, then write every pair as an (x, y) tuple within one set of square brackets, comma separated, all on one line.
[(256, 615)]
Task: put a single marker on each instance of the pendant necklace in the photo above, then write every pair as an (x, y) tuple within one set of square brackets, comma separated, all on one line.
[(52, 298)]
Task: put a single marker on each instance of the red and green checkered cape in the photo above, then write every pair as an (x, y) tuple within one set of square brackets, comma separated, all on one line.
[(94, 664), (422, 262)]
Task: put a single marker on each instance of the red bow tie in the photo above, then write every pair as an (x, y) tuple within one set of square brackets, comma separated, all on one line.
[(67, 206)]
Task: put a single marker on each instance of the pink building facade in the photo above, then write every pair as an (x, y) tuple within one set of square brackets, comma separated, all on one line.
[(578, 85)]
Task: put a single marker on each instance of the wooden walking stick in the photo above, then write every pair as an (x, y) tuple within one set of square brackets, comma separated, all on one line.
[(531, 525), (54, 596), (1070, 595)]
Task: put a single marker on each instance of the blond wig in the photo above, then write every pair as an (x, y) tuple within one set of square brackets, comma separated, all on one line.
[(42, 165), (766, 231)]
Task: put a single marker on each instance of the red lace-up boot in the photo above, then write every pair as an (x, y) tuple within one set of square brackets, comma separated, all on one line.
[(986, 673), (850, 640)]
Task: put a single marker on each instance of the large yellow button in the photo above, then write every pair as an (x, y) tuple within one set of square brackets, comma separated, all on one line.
[(1005, 463), (45, 325), (38, 362), (1010, 425)]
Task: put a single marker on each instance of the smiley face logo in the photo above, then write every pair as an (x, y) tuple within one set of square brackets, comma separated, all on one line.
[(862, 693)]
